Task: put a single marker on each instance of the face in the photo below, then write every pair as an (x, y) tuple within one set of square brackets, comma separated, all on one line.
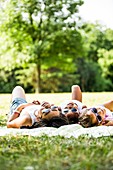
[(92, 116), (97, 115), (71, 112), (101, 111), (48, 113)]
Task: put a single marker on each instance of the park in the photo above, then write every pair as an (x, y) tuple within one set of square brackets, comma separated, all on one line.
[(46, 47), (54, 152)]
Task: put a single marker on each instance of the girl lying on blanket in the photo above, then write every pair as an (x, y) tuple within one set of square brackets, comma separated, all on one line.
[(72, 108), (35, 114), (98, 115), (76, 112)]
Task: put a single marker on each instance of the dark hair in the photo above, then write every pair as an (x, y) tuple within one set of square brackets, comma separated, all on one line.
[(39, 123), (56, 122), (85, 121), (73, 117)]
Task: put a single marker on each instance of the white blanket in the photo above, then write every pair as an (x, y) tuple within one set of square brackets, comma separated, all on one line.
[(67, 131)]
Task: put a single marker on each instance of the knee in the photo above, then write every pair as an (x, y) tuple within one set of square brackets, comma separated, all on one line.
[(111, 102), (75, 87), (18, 88)]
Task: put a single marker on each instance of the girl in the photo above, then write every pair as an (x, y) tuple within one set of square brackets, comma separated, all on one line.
[(27, 114)]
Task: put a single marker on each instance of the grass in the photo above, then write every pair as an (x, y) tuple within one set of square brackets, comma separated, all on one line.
[(55, 153)]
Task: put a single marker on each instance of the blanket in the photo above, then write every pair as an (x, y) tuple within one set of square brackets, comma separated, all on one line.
[(67, 131)]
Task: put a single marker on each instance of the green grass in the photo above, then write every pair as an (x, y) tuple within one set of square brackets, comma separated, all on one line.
[(55, 153)]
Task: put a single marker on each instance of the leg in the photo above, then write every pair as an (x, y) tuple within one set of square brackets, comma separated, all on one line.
[(109, 105), (76, 93), (17, 98), (18, 92)]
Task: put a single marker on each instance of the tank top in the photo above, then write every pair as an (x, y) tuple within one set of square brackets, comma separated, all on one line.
[(78, 103)]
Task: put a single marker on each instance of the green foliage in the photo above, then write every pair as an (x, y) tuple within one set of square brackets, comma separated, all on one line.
[(105, 60), (90, 75), (106, 63), (96, 69), (57, 82), (7, 81), (93, 35), (105, 56), (3, 120), (39, 32), (43, 39)]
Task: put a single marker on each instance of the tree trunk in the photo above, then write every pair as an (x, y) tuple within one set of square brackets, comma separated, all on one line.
[(38, 84)]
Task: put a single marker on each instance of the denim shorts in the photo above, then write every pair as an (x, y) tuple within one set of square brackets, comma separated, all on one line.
[(15, 103)]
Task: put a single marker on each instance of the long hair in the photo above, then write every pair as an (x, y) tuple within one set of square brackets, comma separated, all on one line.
[(56, 122), (85, 120)]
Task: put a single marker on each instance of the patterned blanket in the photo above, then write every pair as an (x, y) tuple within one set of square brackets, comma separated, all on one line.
[(67, 131)]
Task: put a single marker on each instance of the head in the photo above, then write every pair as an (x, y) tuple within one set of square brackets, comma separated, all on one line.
[(56, 122), (91, 117), (49, 112), (71, 112)]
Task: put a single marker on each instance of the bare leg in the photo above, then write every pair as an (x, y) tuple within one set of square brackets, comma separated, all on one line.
[(18, 92), (109, 105), (76, 93)]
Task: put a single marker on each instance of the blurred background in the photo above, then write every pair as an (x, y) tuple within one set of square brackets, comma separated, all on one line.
[(48, 45)]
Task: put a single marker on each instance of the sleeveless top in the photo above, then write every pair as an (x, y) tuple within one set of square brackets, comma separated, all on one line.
[(78, 103), (31, 110)]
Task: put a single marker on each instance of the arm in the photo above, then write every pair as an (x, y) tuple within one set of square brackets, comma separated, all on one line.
[(14, 116), (20, 121), (109, 123), (16, 113)]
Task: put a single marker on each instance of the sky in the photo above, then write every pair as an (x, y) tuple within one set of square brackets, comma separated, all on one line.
[(98, 10)]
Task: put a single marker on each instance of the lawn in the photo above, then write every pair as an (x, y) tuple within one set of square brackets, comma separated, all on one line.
[(55, 153)]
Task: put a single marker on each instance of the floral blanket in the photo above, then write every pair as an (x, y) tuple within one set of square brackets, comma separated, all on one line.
[(67, 131)]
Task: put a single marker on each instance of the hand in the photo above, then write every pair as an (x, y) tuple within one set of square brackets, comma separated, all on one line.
[(84, 106), (45, 104), (36, 102), (108, 123)]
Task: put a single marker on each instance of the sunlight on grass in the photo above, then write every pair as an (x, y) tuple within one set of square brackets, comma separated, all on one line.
[(55, 153), (88, 98)]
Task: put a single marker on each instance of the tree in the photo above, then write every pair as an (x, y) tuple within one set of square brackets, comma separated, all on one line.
[(93, 35), (38, 32), (89, 73), (96, 64), (106, 63)]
